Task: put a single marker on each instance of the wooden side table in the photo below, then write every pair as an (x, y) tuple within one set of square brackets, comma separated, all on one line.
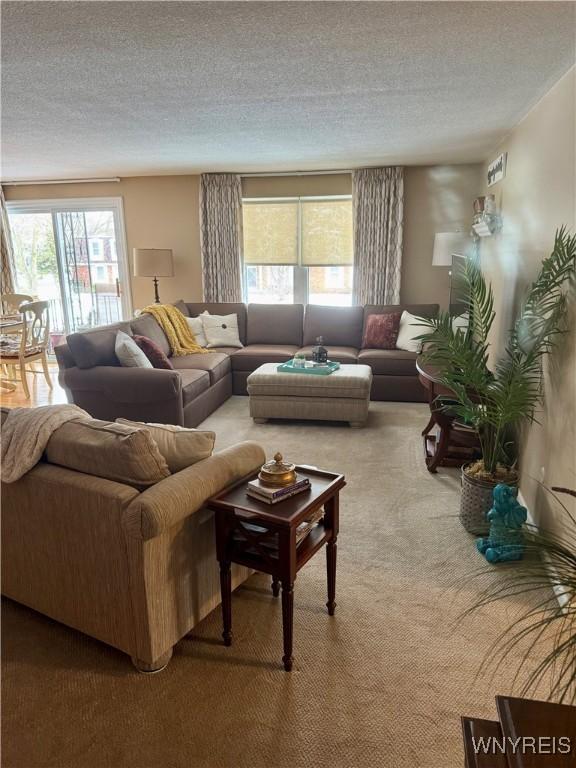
[(263, 537), (454, 445)]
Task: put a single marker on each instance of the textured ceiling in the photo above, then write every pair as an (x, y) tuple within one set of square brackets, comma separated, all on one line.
[(130, 88)]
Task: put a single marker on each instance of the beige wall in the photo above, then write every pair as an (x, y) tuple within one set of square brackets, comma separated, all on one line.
[(162, 212), (159, 212), (536, 197), (436, 199)]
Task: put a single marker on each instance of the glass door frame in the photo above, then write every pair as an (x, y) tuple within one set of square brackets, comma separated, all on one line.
[(55, 206)]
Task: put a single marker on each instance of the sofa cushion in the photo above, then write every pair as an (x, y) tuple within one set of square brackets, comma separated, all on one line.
[(181, 447), (146, 325), (422, 310), (193, 384), (226, 350), (338, 326), (129, 353), (381, 331), (181, 305), (389, 362), (105, 449), (346, 355), (250, 357), (221, 330), (153, 352), (217, 364), (410, 329), (197, 328), (96, 346), (274, 324), (224, 308)]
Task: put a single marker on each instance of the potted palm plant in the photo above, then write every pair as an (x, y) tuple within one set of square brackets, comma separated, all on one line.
[(496, 402), (547, 627)]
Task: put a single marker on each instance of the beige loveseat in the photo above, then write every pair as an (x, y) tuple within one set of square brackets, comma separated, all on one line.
[(134, 569)]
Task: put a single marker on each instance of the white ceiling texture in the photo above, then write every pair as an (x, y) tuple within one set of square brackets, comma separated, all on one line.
[(135, 88)]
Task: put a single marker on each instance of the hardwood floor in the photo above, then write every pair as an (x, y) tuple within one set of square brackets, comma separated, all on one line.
[(40, 393)]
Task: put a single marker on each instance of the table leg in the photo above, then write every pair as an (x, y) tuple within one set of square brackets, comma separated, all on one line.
[(275, 586), (428, 426), (440, 449), (287, 622), (226, 594), (331, 550)]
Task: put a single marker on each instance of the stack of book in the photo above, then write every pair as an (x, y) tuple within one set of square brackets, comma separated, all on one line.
[(307, 525), (272, 542), (269, 495)]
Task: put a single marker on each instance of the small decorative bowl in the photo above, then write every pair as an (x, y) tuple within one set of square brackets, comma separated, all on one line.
[(277, 473)]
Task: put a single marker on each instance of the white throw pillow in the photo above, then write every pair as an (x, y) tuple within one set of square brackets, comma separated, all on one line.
[(129, 353), (221, 330), (410, 328), (197, 329), (180, 447)]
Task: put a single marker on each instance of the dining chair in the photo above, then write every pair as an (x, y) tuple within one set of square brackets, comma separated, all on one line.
[(31, 345), (11, 302)]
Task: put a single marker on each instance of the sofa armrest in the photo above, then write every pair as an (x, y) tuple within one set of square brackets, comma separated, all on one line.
[(140, 385), (165, 504), (141, 394)]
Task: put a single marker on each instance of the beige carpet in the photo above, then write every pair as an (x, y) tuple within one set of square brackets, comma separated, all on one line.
[(383, 683)]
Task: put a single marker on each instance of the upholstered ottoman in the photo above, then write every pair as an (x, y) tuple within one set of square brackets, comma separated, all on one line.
[(342, 396)]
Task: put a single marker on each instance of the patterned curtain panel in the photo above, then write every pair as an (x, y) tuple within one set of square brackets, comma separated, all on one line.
[(6, 274), (378, 200), (221, 236)]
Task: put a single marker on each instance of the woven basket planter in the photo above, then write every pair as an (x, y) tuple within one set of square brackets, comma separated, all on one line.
[(475, 503)]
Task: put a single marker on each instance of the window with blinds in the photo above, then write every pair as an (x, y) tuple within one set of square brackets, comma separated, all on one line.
[(270, 232), (326, 233), (298, 250)]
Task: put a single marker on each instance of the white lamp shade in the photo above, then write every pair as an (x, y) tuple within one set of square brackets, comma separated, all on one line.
[(153, 262), (446, 245)]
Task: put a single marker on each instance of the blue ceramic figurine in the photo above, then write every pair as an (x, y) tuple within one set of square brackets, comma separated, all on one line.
[(507, 516)]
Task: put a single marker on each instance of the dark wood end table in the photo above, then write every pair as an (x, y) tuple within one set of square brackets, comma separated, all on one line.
[(454, 445), (263, 537)]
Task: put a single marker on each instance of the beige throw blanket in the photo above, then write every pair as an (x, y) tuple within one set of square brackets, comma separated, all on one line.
[(25, 435)]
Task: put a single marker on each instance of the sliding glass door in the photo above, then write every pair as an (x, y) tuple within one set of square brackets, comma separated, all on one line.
[(72, 253)]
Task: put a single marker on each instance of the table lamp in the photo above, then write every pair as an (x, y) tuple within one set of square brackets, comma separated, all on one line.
[(153, 262)]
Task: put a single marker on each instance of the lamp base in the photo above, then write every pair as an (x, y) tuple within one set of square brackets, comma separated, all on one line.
[(156, 295)]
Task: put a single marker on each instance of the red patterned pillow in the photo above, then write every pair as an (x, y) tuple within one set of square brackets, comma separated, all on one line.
[(153, 352), (381, 331)]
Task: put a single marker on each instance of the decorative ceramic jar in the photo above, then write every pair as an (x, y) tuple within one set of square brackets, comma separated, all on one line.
[(277, 473), (319, 352)]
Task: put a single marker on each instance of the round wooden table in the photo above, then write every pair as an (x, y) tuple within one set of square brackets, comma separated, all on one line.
[(446, 442)]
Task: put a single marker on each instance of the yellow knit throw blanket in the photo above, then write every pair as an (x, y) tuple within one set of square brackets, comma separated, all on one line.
[(180, 337)]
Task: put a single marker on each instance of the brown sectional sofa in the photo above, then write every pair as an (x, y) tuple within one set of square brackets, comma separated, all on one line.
[(94, 380)]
